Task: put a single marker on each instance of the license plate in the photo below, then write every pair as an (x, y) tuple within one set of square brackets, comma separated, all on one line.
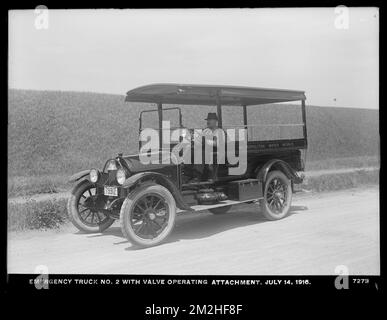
[(110, 191)]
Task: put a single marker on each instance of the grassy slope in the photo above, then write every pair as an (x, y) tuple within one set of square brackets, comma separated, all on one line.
[(63, 132)]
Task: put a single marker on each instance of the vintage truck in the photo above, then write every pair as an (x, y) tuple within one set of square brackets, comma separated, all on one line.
[(147, 197)]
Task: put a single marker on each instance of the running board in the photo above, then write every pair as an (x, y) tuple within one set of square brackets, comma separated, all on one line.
[(201, 207)]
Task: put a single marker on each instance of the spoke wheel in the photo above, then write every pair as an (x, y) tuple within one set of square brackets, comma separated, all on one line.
[(83, 209), (277, 196), (148, 215), (88, 210)]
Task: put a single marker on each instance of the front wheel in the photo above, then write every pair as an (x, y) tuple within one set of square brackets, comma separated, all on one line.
[(82, 209), (148, 215), (277, 196)]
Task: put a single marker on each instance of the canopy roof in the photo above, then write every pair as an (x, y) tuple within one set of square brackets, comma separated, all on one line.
[(210, 95)]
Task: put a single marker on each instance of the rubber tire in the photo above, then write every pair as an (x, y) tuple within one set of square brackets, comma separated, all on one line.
[(264, 205), (72, 210), (127, 206), (220, 210)]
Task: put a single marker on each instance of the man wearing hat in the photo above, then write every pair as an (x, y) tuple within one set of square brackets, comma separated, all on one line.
[(212, 124), (212, 135)]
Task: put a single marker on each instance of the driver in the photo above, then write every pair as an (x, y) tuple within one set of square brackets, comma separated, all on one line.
[(212, 129), (212, 135)]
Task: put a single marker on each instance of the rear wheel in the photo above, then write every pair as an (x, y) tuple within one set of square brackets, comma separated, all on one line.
[(148, 215), (277, 196), (220, 210), (82, 209)]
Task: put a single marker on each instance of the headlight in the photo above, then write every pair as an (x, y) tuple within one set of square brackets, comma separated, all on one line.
[(94, 175), (111, 165), (121, 176)]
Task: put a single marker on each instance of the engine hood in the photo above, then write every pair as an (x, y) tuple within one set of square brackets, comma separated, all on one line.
[(135, 165)]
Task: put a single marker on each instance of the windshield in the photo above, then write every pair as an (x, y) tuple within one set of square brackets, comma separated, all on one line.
[(150, 118)]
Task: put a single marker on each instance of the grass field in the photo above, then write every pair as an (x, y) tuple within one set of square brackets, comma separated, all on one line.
[(42, 215), (59, 133), (339, 181)]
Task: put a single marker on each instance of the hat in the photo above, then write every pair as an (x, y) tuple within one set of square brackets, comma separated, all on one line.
[(212, 116)]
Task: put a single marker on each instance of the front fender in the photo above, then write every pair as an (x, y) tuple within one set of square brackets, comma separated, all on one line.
[(161, 179), (281, 165), (79, 175)]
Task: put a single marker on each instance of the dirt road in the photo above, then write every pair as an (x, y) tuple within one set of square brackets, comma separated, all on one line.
[(323, 230)]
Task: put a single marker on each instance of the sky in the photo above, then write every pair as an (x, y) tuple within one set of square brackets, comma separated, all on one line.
[(332, 55)]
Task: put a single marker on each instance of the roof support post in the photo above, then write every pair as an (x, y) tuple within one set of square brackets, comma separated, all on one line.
[(245, 115), (139, 132), (304, 119), (245, 118), (160, 113), (219, 110)]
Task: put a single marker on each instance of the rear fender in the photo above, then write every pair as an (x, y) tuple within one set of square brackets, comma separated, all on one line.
[(279, 165), (161, 179)]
